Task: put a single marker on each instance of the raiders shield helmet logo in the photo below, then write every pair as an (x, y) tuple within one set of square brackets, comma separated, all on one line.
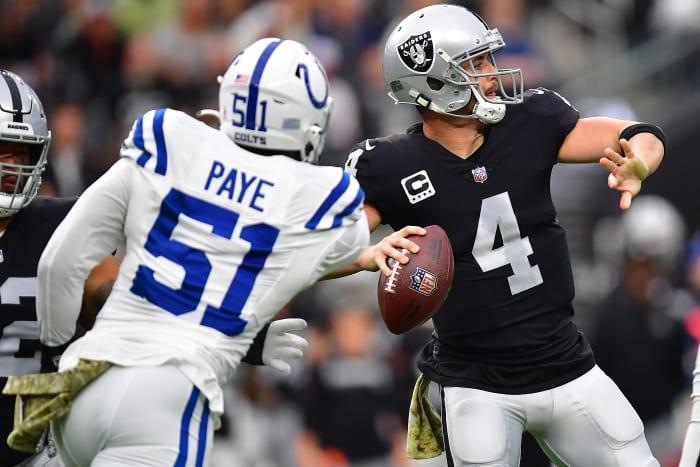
[(417, 52)]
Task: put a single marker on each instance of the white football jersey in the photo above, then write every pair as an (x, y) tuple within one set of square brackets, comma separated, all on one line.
[(217, 241)]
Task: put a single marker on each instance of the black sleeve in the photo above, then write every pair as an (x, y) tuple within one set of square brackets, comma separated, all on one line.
[(255, 351)]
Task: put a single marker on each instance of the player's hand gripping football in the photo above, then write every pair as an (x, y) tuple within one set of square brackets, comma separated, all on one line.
[(626, 172), (376, 256), (281, 344)]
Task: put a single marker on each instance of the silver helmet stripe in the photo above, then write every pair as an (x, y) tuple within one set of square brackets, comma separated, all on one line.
[(14, 95)]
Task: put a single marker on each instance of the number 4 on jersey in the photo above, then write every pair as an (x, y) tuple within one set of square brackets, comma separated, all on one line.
[(497, 213)]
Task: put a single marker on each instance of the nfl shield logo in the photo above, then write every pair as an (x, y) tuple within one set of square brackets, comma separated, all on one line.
[(480, 174), (417, 52), (424, 282)]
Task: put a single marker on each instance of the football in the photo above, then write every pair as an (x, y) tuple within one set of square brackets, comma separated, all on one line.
[(414, 292)]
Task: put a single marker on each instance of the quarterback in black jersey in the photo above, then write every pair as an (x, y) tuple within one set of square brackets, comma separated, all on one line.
[(505, 350)]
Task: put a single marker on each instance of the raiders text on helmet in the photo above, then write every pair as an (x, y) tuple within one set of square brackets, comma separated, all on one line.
[(424, 59)]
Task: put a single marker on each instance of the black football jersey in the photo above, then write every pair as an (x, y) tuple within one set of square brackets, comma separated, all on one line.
[(20, 248), (507, 324)]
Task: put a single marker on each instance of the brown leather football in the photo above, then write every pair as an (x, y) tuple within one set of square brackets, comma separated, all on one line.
[(415, 291)]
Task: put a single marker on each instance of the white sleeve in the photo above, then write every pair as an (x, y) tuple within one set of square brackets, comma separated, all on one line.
[(348, 247), (691, 443), (91, 230)]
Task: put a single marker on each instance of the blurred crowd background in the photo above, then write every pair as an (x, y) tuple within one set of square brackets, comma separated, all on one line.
[(98, 64)]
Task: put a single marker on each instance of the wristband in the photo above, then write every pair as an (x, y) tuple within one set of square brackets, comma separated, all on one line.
[(632, 130)]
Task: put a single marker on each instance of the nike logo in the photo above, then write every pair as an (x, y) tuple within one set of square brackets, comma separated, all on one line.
[(368, 146)]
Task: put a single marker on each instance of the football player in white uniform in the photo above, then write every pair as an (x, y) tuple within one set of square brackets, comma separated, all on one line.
[(221, 229)]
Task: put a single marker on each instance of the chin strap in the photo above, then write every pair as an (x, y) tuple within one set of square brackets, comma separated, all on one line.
[(488, 112)]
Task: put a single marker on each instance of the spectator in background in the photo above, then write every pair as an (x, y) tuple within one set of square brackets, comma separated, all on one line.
[(692, 265), (637, 19), (379, 115), (580, 205), (344, 131), (66, 151), (265, 423), (354, 25), (273, 18), (353, 409), (510, 18), (678, 16), (638, 331), (136, 16), (189, 53)]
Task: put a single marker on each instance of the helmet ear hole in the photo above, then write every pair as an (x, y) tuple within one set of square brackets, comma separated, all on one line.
[(308, 149), (434, 83)]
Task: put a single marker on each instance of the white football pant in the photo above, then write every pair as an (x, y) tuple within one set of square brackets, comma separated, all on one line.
[(136, 416), (587, 422)]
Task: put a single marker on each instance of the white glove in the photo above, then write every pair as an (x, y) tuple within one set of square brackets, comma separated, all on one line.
[(280, 344)]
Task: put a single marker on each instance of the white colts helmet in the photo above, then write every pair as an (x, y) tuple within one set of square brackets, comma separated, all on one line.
[(22, 120), (274, 98), (423, 64)]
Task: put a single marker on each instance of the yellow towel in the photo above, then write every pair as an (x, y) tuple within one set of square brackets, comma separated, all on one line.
[(43, 397), (424, 439)]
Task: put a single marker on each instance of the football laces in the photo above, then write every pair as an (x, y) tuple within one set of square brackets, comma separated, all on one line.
[(395, 271)]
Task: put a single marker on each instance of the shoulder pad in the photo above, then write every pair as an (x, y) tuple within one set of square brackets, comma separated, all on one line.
[(146, 141), (50, 207), (377, 149), (542, 101), (341, 204)]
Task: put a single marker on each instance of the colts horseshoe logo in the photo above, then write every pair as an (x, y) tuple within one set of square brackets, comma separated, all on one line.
[(319, 104)]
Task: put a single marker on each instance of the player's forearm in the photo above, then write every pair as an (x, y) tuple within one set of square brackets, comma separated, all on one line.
[(59, 290), (361, 263), (97, 288)]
